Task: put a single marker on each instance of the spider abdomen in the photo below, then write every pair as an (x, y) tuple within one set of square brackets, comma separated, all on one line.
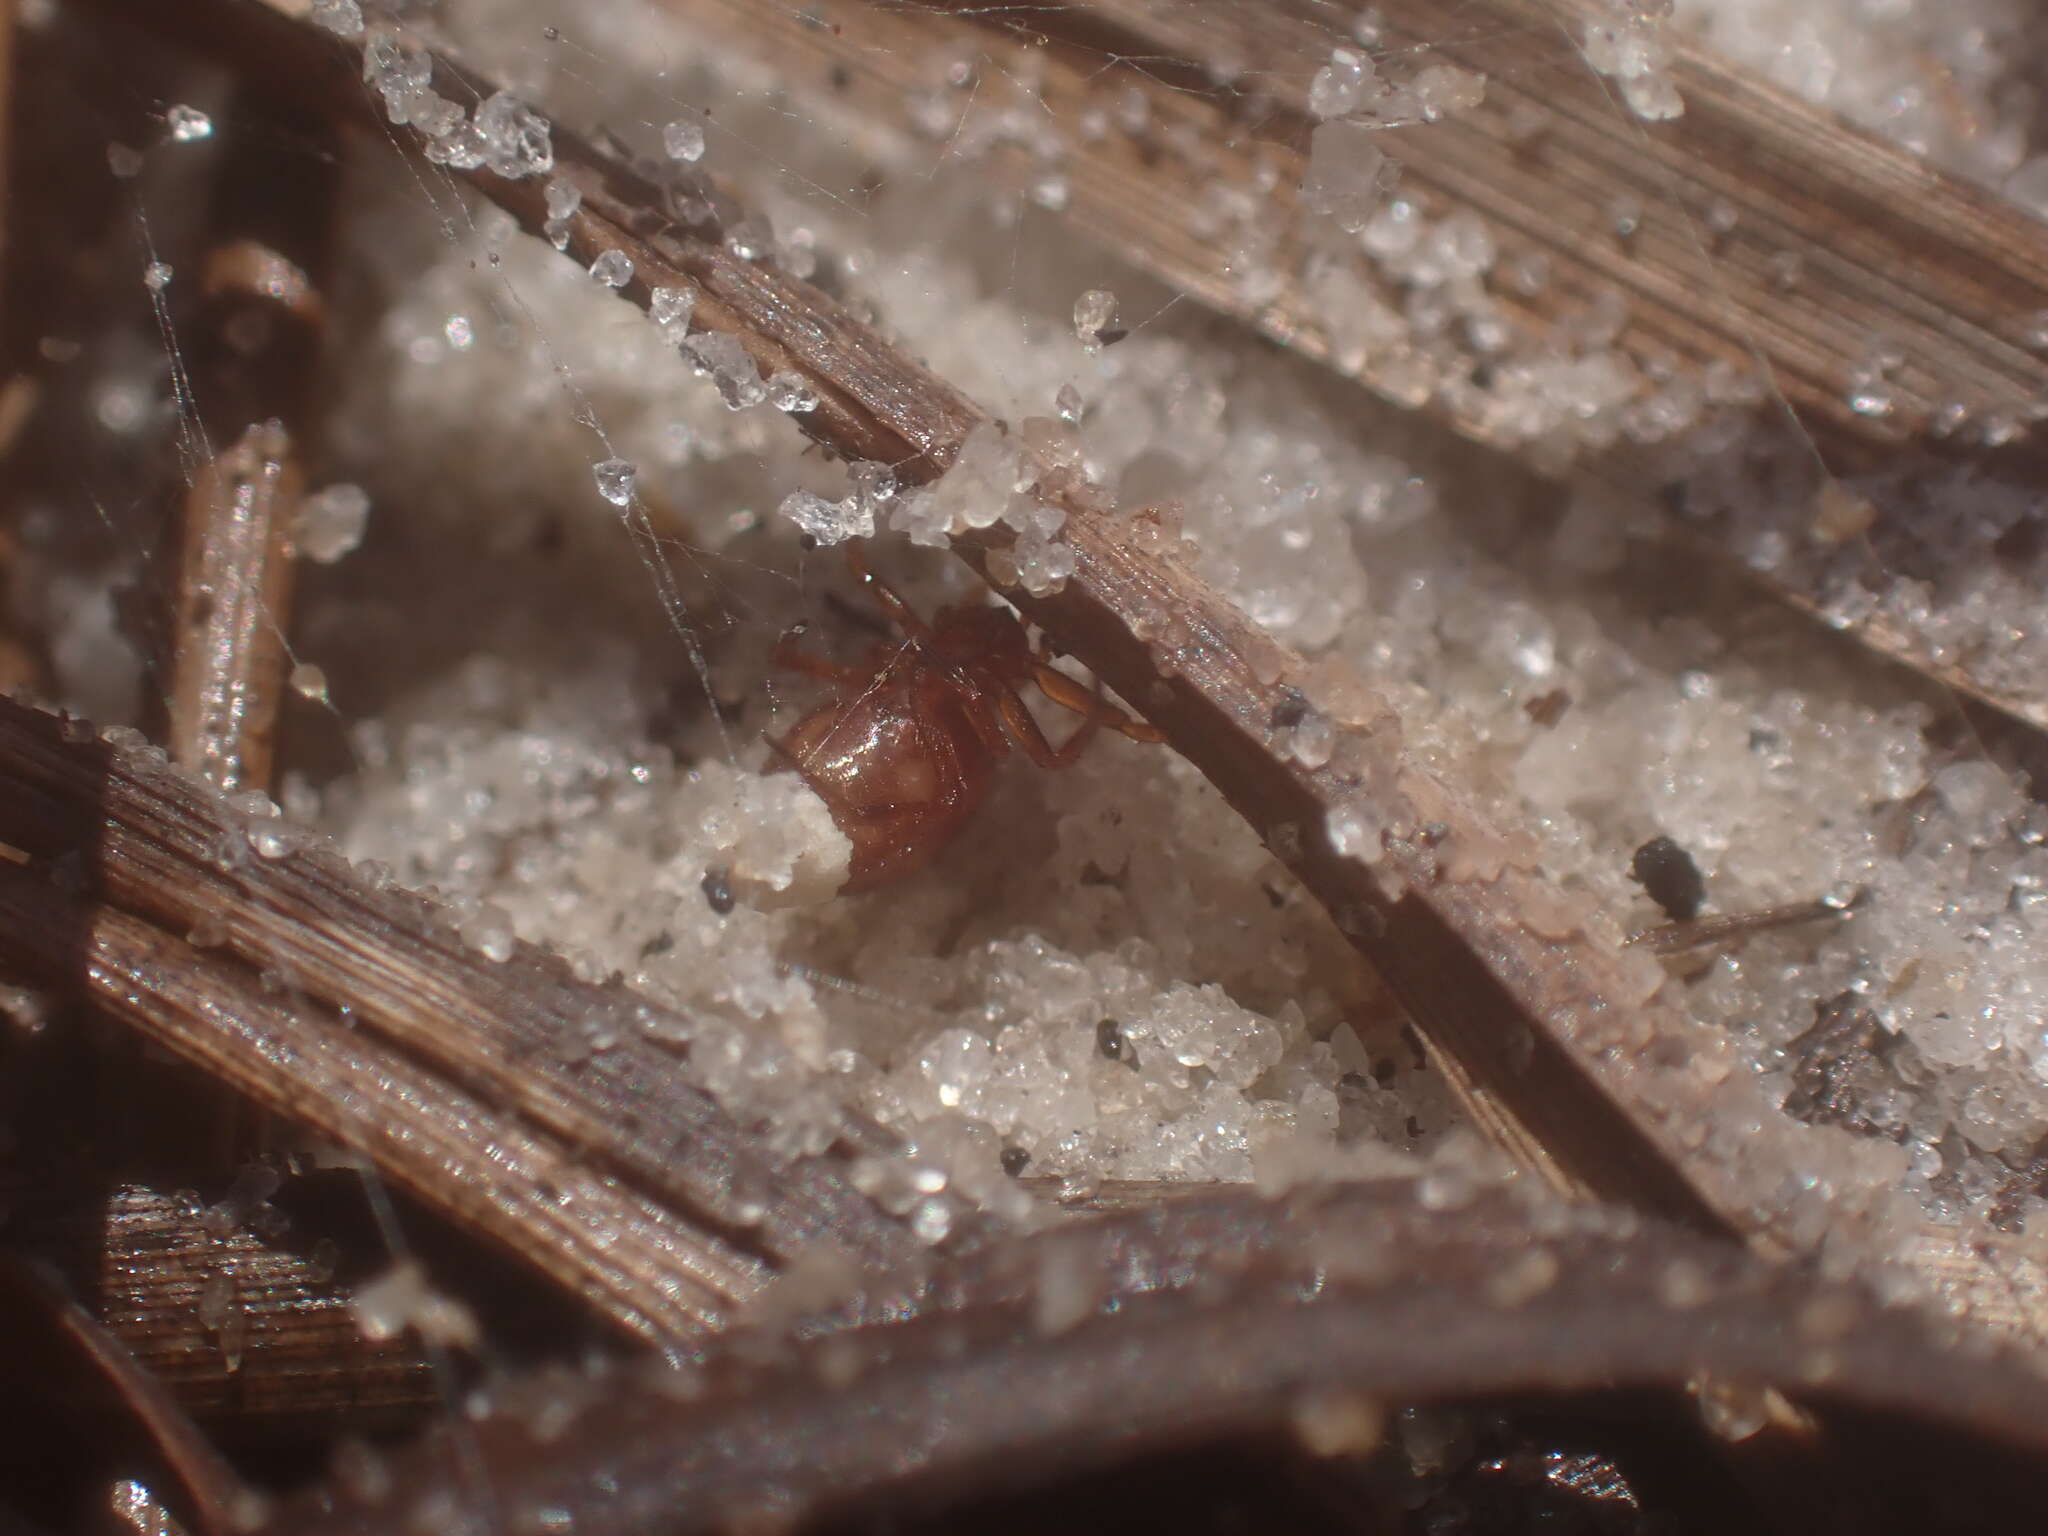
[(899, 779)]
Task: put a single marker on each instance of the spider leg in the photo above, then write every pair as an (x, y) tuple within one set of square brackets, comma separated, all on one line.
[(791, 657), (1010, 705), (891, 601), (1068, 694)]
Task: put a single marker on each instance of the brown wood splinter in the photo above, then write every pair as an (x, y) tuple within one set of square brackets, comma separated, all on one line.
[(907, 749)]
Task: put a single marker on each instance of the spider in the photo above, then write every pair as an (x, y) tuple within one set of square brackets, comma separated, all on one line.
[(907, 749)]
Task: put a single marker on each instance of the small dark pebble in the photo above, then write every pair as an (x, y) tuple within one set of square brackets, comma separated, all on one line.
[(1109, 1039), (718, 891), (1111, 337), (1670, 878), (1014, 1159)]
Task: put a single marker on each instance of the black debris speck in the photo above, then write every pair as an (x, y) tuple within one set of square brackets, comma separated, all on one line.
[(1670, 878), (1109, 1039)]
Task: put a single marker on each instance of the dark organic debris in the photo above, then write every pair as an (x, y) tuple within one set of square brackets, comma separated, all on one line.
[(1669, 877)]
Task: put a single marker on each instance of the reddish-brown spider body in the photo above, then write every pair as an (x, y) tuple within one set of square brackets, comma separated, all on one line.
[(906, 751)]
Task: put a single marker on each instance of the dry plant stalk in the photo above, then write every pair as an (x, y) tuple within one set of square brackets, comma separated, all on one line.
[(1551, 1029), (1231, 1313), (234, 590), (256, 333), (112, 1399), (285, 1358), (541, 1200), (356, 1010)]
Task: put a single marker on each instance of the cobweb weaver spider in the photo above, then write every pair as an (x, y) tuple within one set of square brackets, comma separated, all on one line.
[(906, 750)]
